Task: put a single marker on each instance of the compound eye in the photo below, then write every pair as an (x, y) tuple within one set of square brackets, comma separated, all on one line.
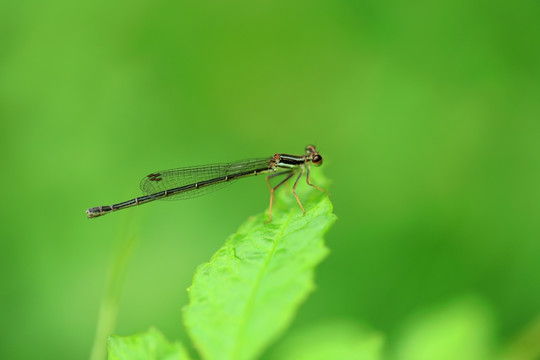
[(310, 149), (317, 160)]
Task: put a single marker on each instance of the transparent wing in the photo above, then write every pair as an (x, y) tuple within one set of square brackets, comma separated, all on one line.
[(175, 178)]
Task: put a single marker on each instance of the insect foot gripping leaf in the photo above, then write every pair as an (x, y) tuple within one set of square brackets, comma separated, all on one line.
[(250, 290)]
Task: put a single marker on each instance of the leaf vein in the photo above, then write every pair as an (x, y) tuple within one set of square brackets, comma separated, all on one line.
[(257, 284)]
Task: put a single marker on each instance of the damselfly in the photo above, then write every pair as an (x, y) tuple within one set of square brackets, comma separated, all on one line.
[(190, 182)]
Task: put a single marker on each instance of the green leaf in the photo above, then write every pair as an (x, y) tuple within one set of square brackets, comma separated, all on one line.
[(150, 345), (525, 345), (250, 290), (332, 340), (461, 330)]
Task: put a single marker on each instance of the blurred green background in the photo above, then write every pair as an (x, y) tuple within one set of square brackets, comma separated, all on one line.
[(427, 115)]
